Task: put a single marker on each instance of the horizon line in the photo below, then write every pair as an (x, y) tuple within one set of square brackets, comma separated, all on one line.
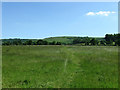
[(59, 36), (56, 37)]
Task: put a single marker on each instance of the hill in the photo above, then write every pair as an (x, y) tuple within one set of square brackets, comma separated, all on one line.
[(68, 39), (62, 39)]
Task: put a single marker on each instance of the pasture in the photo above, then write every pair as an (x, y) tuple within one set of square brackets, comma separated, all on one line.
[(59, 66)]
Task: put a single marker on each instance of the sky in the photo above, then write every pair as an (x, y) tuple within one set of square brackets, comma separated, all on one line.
[(30, 20)]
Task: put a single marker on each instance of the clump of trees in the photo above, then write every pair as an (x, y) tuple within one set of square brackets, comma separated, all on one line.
[(86, 41), (109, 39), (30, 42), (112, 39)]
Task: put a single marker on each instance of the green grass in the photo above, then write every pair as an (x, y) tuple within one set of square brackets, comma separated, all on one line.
[(67, 39), (60, 39), (60, 67)]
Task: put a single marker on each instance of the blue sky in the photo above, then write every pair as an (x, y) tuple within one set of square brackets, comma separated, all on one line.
[(49, 19)]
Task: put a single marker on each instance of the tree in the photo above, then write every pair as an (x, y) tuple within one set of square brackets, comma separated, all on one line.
[(29, 42), (53, 43), (40, 42), (58, 43), (109, 39), (117, 39), (7, 43), (102, 42), (76, 40), (86, 40), (34, 43), (17, 42), (94, 41), (45, 43)]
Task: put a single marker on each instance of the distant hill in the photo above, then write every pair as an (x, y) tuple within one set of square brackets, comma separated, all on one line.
[(62, 39), (109, 39), (66, 39)]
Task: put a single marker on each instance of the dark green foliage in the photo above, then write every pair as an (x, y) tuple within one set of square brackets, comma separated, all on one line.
[(39, 42), (58, 43), (76, 40), (6, 43), (94, 42), (34, 43), (117, 39), (110, 39), (86, 40), (52, 43), (17, 42), (103, 42), (45, 43), (29, 42)]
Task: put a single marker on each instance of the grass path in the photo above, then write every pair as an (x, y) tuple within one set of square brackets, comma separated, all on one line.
[(69, 58)]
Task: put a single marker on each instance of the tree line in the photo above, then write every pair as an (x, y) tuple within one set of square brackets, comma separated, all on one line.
[(109, 39), (30, 42)]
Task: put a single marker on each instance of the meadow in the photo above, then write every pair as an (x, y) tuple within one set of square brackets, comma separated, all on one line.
[(61, 66)]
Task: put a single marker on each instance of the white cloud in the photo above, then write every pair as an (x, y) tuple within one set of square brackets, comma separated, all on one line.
[(90, 13), (103, 13), (113, 12)]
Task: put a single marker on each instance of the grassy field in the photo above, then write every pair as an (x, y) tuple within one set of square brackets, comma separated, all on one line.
[(60, 66)]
